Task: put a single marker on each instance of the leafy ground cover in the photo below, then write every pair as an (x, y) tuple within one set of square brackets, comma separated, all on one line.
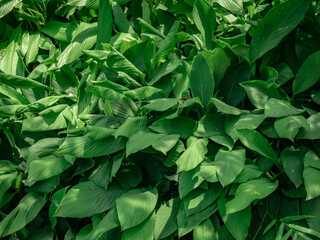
[(168, 119)]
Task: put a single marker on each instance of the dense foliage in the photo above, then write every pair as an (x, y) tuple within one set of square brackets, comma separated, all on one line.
[(160, 119)]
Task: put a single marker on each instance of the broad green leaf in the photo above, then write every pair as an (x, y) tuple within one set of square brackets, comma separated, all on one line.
[(308, 74), (61, 31), (204, 231), (141, 140), (166, 222), (312, 207), (315, 95), (288, 127), (206, 170), (201, 80), (199, 199), (135, 206), (168, 67), (249, 172), (161, 105), (229, 164), (27, 209), (311, 174), (292, 161), (44, 168), (313, 131), (104, 23), (182, 126), (84, 40), (259, 92), (166, 143), (238, 223), (277, 108), (210, 125), (6, 6), (218, 62), (247, 192), (243, 121), (120, 19), (142, 92), (235, 6), (10, 62), (19, 82), (94, 4), (284, 73), (55, 201), (102, 174), (144, 230), (130, 126), (193, 156), (6, 181), (108, 222), (33, 48), (225, 108), (166, 46), (129, 176), (278, 23), (45, 146), (13, 110), (205, 19), (87, 199), (257, 142), (230, 87), (187, 224), (187, 182), (84, 147)]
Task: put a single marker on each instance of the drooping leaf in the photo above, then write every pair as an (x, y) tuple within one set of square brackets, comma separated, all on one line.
[(277, 108), (201, 80), (247, 192), (275, 26), (87, 199)]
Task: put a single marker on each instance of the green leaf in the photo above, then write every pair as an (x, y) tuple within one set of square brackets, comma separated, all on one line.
[(166, 143), (108, 222), (141, 140), (44, 168), (247, 192), (235, 6), (255, 141), (229, 164), (168, 67), (238, 223), (130, 126), (312, 207), (313, 131), (304, 230), (311, 174), (161, 105), (61, 31), (308, 74), (249, 172), (144, 230), (188, 181), (193, 156), (204, 231), (277, 108), (187, 224), (33, 48), (27, 209), (288, 127), (135, 206), (275, 26), (199, 199), (182, 126), (292, 161), (259, 92), (6, 6), (205, 19), (225, 108), (84, 40), (218, 62), (104, 23), (129, 176), (166, 222), (201, 80), (55, 201), (84, 147), (166, 46), (87, 199), (19, 82)]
